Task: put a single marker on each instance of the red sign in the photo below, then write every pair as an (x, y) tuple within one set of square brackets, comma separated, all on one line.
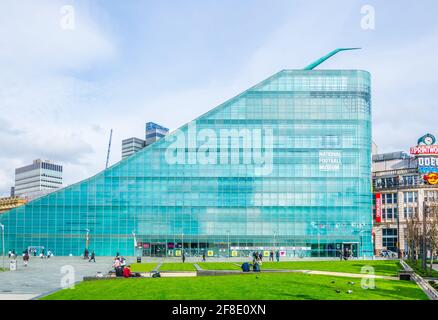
[(431, 178), (378, 207), (433, 149)]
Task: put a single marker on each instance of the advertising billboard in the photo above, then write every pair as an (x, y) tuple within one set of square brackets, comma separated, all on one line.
[(378, 207)]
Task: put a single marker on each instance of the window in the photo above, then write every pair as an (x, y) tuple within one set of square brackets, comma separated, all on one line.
[(389, 239)]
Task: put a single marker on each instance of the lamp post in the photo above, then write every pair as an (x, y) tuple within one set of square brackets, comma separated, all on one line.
[(228, 241), (135, 241), (182, 244), (3, 244), (275, 242), (87, 239)]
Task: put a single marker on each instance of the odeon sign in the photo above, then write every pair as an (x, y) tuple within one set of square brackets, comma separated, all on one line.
[(427, 156)]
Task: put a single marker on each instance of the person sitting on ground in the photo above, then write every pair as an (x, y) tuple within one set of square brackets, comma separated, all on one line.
[(246, 267), (117, 263), (127, 272)]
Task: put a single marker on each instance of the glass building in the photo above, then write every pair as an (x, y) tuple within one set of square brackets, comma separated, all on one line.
[(285, 165)]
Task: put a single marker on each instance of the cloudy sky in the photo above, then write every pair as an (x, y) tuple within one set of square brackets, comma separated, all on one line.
[(64, 84)]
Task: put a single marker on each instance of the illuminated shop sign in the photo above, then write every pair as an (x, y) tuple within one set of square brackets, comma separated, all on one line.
[(431, 178), (427, 154), (427, 164), (378, 207), (425, 150)]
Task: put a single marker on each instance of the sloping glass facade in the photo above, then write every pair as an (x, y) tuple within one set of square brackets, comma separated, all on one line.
[(285, 165)]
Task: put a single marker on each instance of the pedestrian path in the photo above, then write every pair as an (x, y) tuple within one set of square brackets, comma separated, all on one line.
[(45, 275)]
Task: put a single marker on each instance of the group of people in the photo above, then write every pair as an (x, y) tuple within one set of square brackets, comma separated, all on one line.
[(345, 254), (121, 268), (258, 256), (88, 257)]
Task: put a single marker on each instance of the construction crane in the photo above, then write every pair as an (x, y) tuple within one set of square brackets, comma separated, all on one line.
[(109, 149)]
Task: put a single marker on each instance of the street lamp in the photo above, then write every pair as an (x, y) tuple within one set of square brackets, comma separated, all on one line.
[(275, 242), (228, 237), (3, 244), (182, 247), (135, 241), (87, 239)]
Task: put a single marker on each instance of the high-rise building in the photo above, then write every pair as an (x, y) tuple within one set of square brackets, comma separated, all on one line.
[(154, 132), (285, 166), (37, 179), (131, 146)]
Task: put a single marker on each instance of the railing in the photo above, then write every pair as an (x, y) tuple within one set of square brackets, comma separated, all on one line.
[(431, 292)]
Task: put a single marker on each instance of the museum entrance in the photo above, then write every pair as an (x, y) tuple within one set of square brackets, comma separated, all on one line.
[(351, 246), (158, 249)]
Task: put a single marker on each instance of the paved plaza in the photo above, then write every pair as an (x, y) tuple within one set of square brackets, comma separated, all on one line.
[(44, 275)]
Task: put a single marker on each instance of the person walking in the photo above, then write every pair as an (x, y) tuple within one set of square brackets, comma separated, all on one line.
[(203, 257), (26, 258), (271, 256), (277, 255), (93, 257), (183, 257)]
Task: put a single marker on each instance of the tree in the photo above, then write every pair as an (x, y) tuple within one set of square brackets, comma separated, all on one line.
[(413, 235), (432, 232)]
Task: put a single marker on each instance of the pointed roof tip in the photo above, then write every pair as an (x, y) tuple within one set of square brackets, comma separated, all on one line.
[(326, 57)]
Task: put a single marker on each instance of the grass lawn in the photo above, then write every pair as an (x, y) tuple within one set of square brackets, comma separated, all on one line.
[(177, 267), (143, 267), (220, 265), (381, 267), (417, 267), (291, 286)]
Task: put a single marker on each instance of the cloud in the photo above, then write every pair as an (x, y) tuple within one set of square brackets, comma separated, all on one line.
[(46, 100)]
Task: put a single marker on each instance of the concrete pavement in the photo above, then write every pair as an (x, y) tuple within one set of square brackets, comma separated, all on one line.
[(46, 275)]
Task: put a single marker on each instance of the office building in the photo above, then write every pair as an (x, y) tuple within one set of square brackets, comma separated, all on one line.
[(154, 132), (131, 146), (37, 179), (403, 185)]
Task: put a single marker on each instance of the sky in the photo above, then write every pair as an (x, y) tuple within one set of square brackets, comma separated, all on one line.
[(71, 70)]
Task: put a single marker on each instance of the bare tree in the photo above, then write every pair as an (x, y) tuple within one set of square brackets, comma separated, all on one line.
[(413, 235), (432, 232)]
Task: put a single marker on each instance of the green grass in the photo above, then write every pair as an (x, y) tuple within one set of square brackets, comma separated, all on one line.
[(381, 267), (143, 267), (276, 286), (177, 267), (416, 265), (220, 265)]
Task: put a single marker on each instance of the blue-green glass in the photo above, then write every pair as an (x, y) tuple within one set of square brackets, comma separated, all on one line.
[(299, 207)]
